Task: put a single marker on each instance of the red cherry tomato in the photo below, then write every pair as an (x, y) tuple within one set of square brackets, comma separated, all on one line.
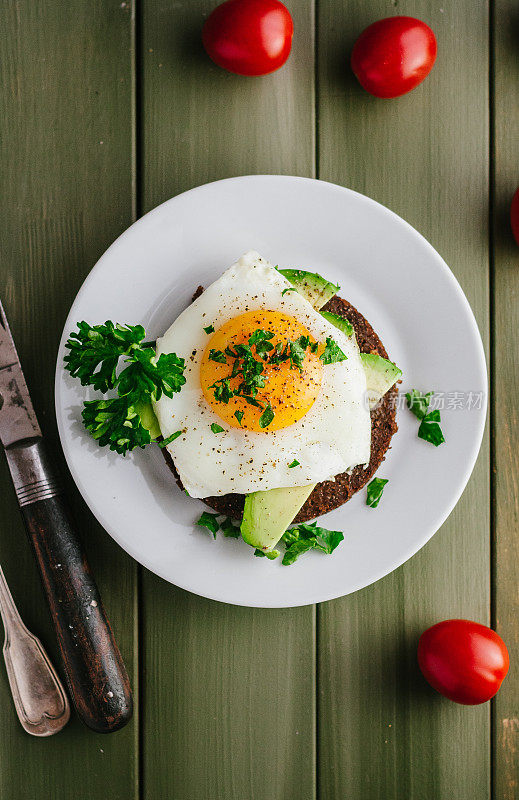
[(463, 660), (393, 56), (249, 37), (514, 216)]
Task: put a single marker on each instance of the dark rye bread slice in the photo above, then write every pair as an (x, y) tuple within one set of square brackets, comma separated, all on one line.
[(331, 494)]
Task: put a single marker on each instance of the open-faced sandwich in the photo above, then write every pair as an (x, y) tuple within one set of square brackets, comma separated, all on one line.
[(272, 398)]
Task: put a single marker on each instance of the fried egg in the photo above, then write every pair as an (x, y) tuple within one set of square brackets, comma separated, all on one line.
[(320, 425)]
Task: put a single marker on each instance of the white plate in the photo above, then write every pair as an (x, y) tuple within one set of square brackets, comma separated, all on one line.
[(391, 274)]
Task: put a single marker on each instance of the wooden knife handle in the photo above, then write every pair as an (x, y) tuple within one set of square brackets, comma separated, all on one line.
[(95, 672)]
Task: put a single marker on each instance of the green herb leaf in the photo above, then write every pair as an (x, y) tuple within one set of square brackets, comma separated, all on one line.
[(418, 403), (264, 347), (170, 439), (297, 549), (229, 529), (375, 490), (288, 289), (209, 521), (327, 540), (252, 402), (430, 430), (209, 329), (332, 352), (239, 415), (115, 423), (147, 377), (222, 390), (217, 355), (267, 417), (307, 536), (295, 463), (260, 335), (216, 428), (298, 351), (94, 352)]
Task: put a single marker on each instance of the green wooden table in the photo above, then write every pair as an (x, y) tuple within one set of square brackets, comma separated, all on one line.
[(107, 109)]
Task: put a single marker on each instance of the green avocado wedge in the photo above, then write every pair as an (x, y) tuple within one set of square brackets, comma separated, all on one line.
[(340, 322), (316, 289), (381, 374), (267, 515)]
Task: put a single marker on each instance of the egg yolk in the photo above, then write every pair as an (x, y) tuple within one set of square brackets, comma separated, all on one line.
[(291, 391)]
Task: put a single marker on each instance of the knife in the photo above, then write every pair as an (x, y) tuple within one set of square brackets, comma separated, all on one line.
[(95, 672)]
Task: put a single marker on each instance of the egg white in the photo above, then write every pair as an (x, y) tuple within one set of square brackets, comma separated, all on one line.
[(333, 437)]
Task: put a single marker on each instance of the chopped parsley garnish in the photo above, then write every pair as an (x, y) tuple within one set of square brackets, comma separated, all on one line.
[(260, 335), (170, 439), (267, 417), (288, 289), (295, 463), (332, 352), (217, 355), (216, 428), (229, 529), (429, 428), (375, 490), (209, 329), (222, 390), (93, 357), (226, 525), (239, 415), (308, 536), (248, 363), (418, 403), (209, 521), (297, 540)]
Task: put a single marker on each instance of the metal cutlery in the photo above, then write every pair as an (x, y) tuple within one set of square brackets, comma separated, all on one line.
[(39, 698), (96, 676)]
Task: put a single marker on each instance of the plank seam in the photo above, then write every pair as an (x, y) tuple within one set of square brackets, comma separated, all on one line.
[(316, 614), (136, 28), (492, 359)]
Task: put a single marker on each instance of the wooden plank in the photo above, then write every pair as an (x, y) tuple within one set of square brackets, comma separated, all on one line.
[(66, 184), (382, 733), (506, 387), (229, 692)]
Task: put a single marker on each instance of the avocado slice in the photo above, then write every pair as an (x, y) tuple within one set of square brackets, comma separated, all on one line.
[(314, 287), (381, 374), (340, 322), (267, 515), (148, 419)]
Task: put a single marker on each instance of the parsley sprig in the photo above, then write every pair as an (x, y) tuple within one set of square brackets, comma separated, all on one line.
[(93, 357), (100, 346)]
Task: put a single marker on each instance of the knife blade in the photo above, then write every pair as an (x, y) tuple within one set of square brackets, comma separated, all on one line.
[(94, 669), (17, 418)]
